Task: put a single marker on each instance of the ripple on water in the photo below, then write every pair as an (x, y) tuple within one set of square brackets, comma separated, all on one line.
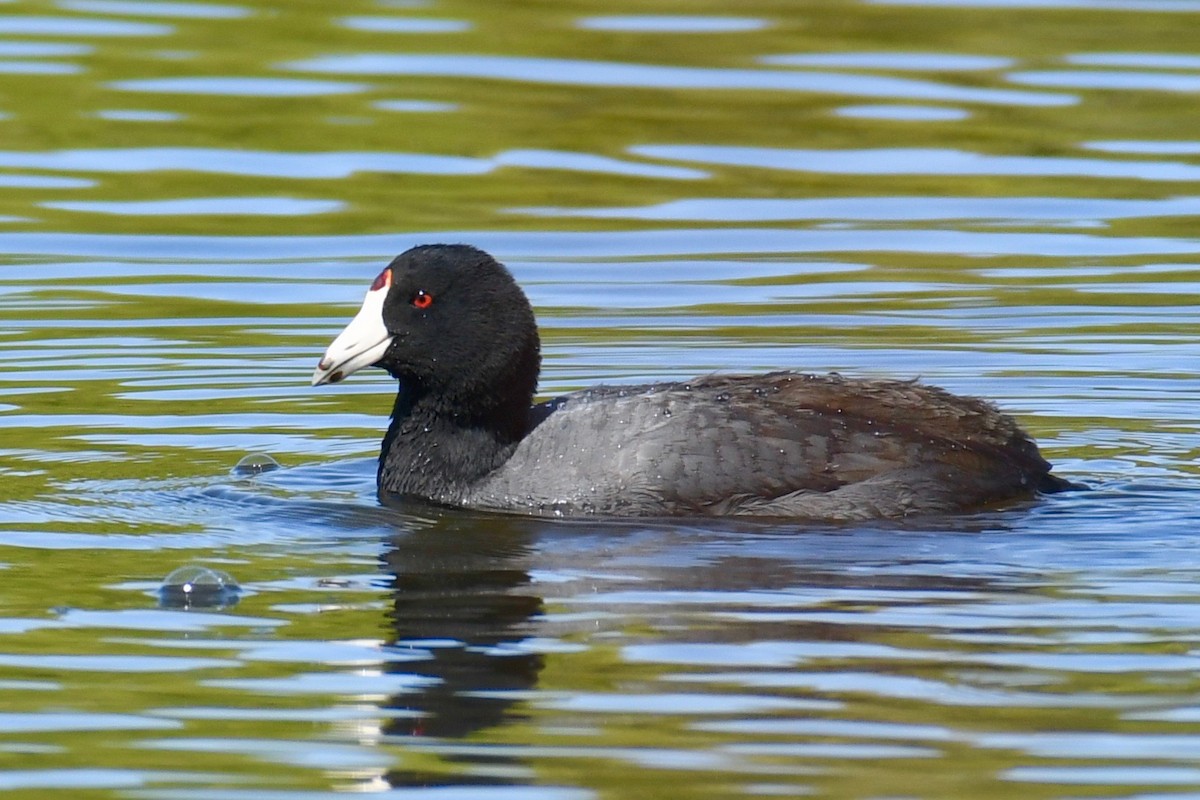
[(42, 49), (84, 779), (587, 162), (1097, 746), (904, 113), (200, 206), (329, 756), (40, 722), (895, 209), (37, 68), (79, 26), (138, 115), (447, 790), (917, 62), (112, 663), (1143, 60), (163, 620), (405, 25), (43, 182), (864, 729), (342, 654), (662, 23), (919, 161), (698, 703), (819, 750), (150, 8), (360, 685), (953, 692), (240, 86), (656, 76), (1109, 79), (1182, 6), (1109, 776), (509, 245), (260, 163), (1183, 148), (415, 106)]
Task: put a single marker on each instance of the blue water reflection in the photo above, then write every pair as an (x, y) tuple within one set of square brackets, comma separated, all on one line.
[(240, 86), (1140, 60), (1109, 79), (904, 113), (138, 115), (1169, 6), (37, 68), (1085, 211), (60, 721), (256, 206), (662, 23), (42, 49), (323, 165), (22, 181), (154, 8), (622, 244), (1159, 148), (414, 106), (919, 161), (78, 26), (586, 162), (916, 62), (653, 76), (405, 25)]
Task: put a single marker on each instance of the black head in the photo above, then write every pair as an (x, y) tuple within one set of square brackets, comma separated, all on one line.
[(450, 322)]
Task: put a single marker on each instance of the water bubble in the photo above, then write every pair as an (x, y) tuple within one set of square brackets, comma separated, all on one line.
[(256, 464), (196, 586)]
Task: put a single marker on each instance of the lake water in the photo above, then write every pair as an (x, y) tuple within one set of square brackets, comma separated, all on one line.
[(997, 196)]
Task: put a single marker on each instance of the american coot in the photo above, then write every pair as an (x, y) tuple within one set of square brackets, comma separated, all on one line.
[(452, 325)]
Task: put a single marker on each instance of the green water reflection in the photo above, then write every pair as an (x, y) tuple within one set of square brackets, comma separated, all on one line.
[(63, 125)]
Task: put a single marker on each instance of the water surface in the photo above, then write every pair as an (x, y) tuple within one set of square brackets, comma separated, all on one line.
[(194, 197)]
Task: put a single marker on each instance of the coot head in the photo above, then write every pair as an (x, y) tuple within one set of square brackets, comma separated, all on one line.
[(450, 323)]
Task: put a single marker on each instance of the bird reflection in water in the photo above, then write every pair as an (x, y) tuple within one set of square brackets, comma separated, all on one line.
[(461, 591)]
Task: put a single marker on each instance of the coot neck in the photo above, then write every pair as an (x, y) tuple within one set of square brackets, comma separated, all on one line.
[(438, 446)]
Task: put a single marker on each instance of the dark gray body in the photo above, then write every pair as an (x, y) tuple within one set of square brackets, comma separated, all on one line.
[(783, 444)]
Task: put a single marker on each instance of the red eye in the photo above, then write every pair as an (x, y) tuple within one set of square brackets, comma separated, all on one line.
[(422, 299)]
